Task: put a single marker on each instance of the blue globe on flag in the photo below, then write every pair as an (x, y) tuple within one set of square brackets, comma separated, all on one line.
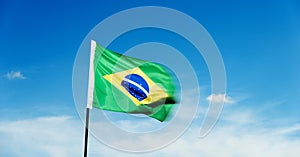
[(136, 86)]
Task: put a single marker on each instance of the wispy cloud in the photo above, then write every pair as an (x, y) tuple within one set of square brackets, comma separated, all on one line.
[(288, 130), (241, 131), (63, 136), (219, 98), (44, 136), (14, 75)]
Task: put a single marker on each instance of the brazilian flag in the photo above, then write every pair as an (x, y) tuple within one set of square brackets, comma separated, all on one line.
[(124, 84)]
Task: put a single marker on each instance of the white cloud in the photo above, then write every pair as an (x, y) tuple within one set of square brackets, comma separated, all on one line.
[(14, 75), (288, 130), (232, 141), (45, 136), (247, 138), (226, 141), (220, 98), (63, 136)]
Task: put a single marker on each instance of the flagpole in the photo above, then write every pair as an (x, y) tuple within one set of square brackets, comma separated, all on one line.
[(86, 136), (89, 96)]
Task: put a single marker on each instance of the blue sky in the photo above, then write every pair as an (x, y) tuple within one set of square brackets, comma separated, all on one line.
[(259, 43)]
